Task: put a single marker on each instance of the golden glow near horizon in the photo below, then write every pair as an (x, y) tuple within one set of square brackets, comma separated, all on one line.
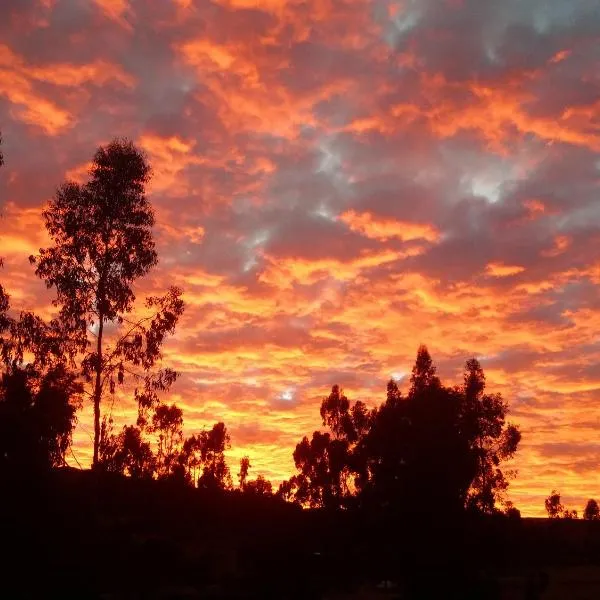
[(334, 184)]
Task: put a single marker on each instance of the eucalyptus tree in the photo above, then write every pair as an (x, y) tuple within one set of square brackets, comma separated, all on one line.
[(102, 243)]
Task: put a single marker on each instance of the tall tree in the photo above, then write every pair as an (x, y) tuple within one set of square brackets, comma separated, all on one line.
[(102, 243), (215, 472), (167, 424), (243, 474), (491, 439), (4, 300), (417, 459)]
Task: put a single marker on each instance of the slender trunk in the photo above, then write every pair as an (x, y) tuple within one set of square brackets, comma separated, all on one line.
[(98, 392)]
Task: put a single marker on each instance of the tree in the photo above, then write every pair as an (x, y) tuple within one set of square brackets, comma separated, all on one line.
[(4, 299), (554, 507), (201, 459), (512, 512), (243, 474), (431, 452), (37, 417), (321, 462), (423, 377), (167, 424), (102, 243), (259, 487), (490, 438), (591, 511), (215, 472), (128, 453), (418, 460), (329, 464)]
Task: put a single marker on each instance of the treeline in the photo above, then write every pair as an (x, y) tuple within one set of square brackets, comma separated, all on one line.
[(435, 450), (557, 510)]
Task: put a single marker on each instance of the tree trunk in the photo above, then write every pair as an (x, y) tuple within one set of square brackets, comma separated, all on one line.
[(98, 393)]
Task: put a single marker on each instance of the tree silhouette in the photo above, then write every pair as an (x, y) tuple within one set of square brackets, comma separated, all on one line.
[(215, 472), (490, 438), (433, 451), (418, 458), (128, 453), (553, 505), (591, 511), (259, 487), (102, 235), (167, 424), (423, 377), (244, 468), (200, 459), (328, 464), (4, 299), (37, 417)]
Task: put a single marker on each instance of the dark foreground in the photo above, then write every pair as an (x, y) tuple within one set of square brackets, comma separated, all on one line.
[(72, 535)]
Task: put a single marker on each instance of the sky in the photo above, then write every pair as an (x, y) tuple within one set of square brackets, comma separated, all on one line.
[(336, 182)]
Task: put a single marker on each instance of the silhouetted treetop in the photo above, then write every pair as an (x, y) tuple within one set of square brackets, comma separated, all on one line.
[(244, 468), (554, 506), (423, 373), (591, 511), (491, 440), (435, 450), (102, 234), (103, 242)]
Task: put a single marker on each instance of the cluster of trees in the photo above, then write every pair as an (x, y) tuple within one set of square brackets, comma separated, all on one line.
[(101, 341), (435, 449), (556, 509)]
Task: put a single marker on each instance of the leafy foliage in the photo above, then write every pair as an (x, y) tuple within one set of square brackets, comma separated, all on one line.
[(102, 243), (128, 453), (437, 449), (37, 417), (490, 438), (327, 474), (167, 424)]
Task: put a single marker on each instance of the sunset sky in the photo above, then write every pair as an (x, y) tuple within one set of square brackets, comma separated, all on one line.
[(336, 182)]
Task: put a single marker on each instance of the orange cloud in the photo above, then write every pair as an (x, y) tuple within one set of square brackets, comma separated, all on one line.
[(502, 270), (116, 10), (18, 83), (384, 229), (561, 244)]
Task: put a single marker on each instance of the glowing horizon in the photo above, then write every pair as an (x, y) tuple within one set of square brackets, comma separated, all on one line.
[(336, 182)]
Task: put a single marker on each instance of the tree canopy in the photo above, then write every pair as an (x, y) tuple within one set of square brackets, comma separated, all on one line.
[(102, 243), (435, 449)]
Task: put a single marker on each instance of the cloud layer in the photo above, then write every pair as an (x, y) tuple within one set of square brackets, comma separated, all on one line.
[(337, 181)]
